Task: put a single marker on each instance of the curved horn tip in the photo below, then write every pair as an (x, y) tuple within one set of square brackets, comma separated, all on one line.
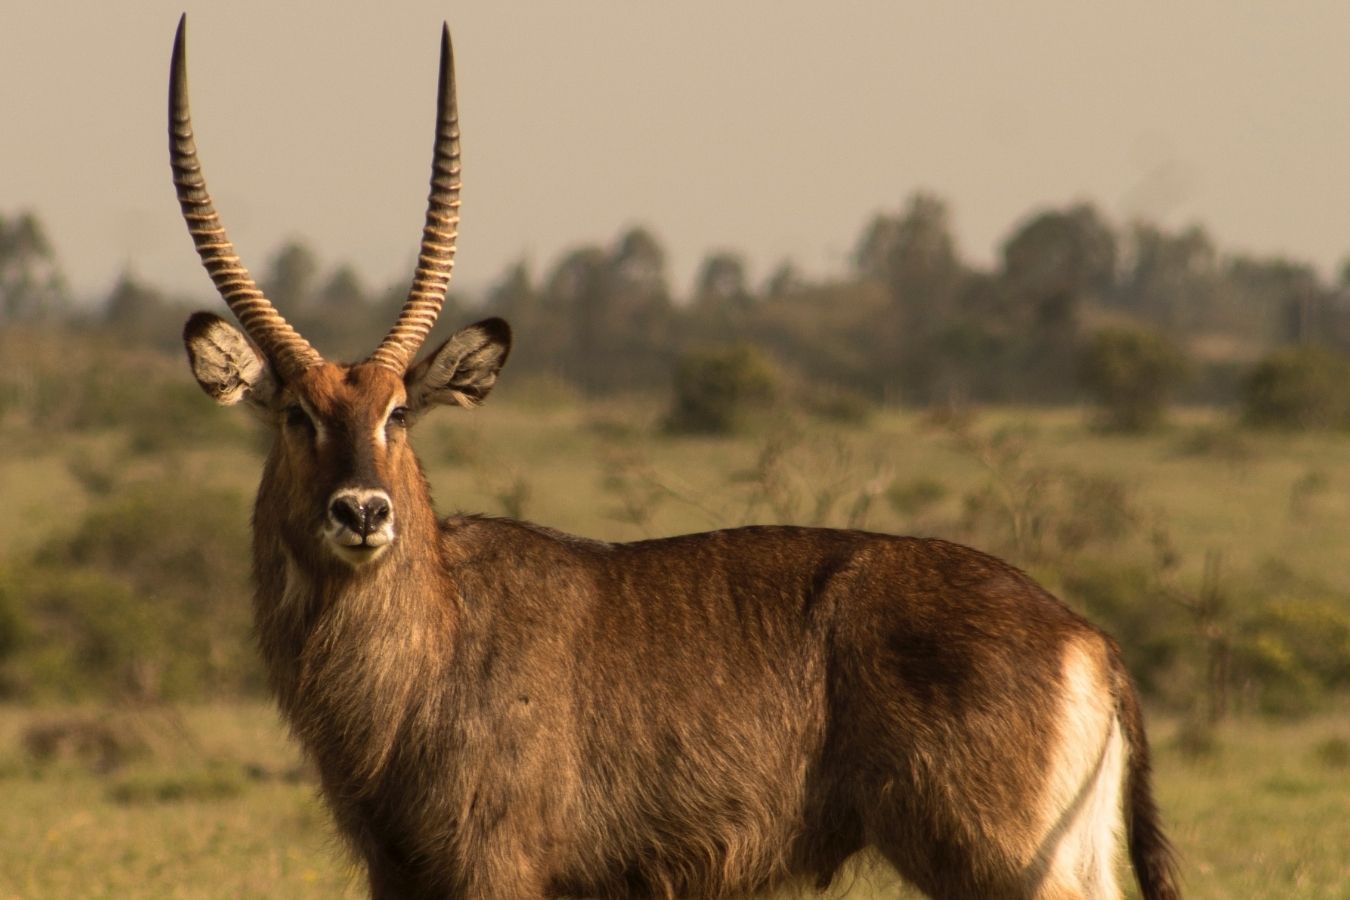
[(178, 61), (447, 51)]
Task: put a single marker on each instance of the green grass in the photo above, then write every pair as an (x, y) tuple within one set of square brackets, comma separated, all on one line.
[(213, 802), (1247, 508), (1240, 508), (1267, 816), (219, 806), (214, 809)]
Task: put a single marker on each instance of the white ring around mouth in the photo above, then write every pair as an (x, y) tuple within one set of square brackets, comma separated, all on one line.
[(347, 545), (358, 554), (351, 546), (345, 537)]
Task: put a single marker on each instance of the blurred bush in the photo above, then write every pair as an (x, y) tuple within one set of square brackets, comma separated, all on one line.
[(916, 495), (96, 741), (1333, 752), (13, 623), (80, 383), (1225, 443), (1294, 652), (1033, 512), (720, 391), (1298, 388), (1131, 373), (209, 784), (144, 598), (838, 405)]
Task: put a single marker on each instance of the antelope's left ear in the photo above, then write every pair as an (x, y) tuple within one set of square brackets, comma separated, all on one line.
[(463, 369), (225, 363)]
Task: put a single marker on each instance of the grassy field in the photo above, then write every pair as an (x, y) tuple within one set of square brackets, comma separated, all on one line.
[(204, 802), (212, 801), (604, 471)]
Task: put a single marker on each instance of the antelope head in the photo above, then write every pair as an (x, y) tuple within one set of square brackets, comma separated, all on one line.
[(344, 473)]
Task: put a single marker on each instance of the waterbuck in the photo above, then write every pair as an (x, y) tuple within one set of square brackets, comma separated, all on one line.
[(499, 710)]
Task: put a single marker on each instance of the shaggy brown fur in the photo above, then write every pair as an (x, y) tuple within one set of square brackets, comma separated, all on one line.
[(501, 712), (498, 710)]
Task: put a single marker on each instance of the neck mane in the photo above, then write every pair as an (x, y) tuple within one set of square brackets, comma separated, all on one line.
[(353, 655)]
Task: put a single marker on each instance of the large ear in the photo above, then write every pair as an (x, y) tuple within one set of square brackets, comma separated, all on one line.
[(463, 369), (225, 363)]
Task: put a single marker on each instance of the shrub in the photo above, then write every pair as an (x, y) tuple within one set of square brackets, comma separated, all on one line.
[(917, 495), (13, 626), (1226, 443), (1296, 651), (148, 597), (88, 634), (97, 742), (77, 382), (1035, 512), (718, 391), (146, 789), (165, 535), (169, 415), (839, 405), (1333, 752), (1197, 739), (1298, 388), (1131, 373)]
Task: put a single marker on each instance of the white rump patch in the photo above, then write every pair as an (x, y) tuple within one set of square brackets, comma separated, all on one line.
[(1082, 814)]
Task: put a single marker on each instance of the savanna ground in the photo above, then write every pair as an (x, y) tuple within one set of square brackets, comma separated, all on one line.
[(229, 811), (194, 799)]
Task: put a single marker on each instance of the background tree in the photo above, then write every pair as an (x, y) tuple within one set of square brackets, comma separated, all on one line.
[(614, 311), (1298, 388), (540, 330), (914, 256), (1174, 280), (722, 290), (1054, 264), (31, 284), (576, 293), (291, 279), (1131, 374), (1071, 251), (1278, 300), (785, 280), (138, 312)]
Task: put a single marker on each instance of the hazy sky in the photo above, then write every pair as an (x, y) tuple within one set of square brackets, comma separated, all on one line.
[(776, 128)]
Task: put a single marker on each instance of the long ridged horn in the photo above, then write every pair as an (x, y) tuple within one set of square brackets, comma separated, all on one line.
[(436, 258), (288, 352)]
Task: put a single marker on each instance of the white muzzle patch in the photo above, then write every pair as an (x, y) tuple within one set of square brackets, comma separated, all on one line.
[(359, 526)]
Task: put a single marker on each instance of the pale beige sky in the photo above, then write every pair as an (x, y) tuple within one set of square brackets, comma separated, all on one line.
[(774, 128)]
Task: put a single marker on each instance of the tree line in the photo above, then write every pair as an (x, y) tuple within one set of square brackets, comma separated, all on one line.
[(1075, 306)]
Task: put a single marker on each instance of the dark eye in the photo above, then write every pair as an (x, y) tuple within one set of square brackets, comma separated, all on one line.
[(296, 417), (399, 416)]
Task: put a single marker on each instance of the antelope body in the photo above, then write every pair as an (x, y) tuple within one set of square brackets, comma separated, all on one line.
[(498, 710)]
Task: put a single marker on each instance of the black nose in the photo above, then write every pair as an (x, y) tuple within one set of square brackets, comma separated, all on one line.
[(363, 518)]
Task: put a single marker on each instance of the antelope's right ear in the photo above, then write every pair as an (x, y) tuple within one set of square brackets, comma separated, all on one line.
[(225, 363)]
